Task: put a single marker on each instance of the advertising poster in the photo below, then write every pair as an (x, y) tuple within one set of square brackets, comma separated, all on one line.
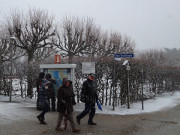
[(58, 75)]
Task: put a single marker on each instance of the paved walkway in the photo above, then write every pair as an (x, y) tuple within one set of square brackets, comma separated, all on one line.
[(165, 122)]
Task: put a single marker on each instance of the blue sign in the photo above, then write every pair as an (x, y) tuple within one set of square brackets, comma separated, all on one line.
[(123, 55)]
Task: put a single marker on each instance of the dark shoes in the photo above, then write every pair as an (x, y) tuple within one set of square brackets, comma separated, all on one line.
[(41, 120), (91, 123), (76, 130), (59, 129), (78, 120)]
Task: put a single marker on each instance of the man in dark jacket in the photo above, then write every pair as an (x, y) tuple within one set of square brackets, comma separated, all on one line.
[(65, 97), (89, 97), (51, 91)]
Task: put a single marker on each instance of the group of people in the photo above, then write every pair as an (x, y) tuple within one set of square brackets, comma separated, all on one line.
[(66, 100)]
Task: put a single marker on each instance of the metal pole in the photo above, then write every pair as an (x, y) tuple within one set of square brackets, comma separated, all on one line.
[(10, 93), (128, 98), (113, 87), (142, 91)]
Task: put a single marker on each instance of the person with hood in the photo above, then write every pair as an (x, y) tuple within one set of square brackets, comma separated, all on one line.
[(51, 91), (38, 86), (65, 98), (43, 100), (89, 97)]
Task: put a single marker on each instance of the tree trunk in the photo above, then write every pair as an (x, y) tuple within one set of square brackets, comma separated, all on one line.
[(29, 74), (106, 92), (30, 83), (110, 94), (21, 87)]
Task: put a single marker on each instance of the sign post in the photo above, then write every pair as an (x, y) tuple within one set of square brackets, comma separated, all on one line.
[(142, 92), (123, 55), (118, 57), (88, 67)]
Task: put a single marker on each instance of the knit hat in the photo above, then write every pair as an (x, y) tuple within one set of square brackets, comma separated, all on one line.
[(91, 74)]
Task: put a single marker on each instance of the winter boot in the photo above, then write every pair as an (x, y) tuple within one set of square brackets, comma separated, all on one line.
[(59, 129), (91, 123), (39, 117), (76, 130), (42, 121)]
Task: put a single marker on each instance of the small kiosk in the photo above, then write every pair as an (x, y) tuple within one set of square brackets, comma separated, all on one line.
[(59, 71)]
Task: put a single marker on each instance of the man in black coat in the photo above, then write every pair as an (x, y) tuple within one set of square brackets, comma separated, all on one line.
[(89, 97)]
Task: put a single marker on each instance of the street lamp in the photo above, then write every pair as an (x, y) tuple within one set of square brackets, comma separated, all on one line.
[(128, 69), (118, 59), (142, 89), (12, 39)]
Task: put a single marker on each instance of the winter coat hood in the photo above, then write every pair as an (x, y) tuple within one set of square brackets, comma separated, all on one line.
[(65, 80), (41, 75), (48, 76)]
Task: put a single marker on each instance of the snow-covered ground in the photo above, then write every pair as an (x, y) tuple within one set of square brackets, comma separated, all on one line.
[(18, 106), (164, 101)]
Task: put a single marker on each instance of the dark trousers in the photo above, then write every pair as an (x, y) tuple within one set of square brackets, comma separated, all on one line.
[(88, 108), (38, 106), (45, 108)]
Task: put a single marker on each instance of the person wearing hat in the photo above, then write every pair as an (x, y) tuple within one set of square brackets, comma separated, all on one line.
[(65, 98), (89, 97)]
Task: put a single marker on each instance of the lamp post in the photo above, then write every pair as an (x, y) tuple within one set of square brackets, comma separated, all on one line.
[(118, 59), (114, 88), (12, 39), (128, 98), (142, 89), (126, 63)]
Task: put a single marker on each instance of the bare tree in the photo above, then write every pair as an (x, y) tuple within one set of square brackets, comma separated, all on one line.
[(156, 56), (172, 56), (34, 31), (8, 52), (110, 44), (76, 36)]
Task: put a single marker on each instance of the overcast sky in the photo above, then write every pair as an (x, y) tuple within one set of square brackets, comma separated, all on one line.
[(151, 24)]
